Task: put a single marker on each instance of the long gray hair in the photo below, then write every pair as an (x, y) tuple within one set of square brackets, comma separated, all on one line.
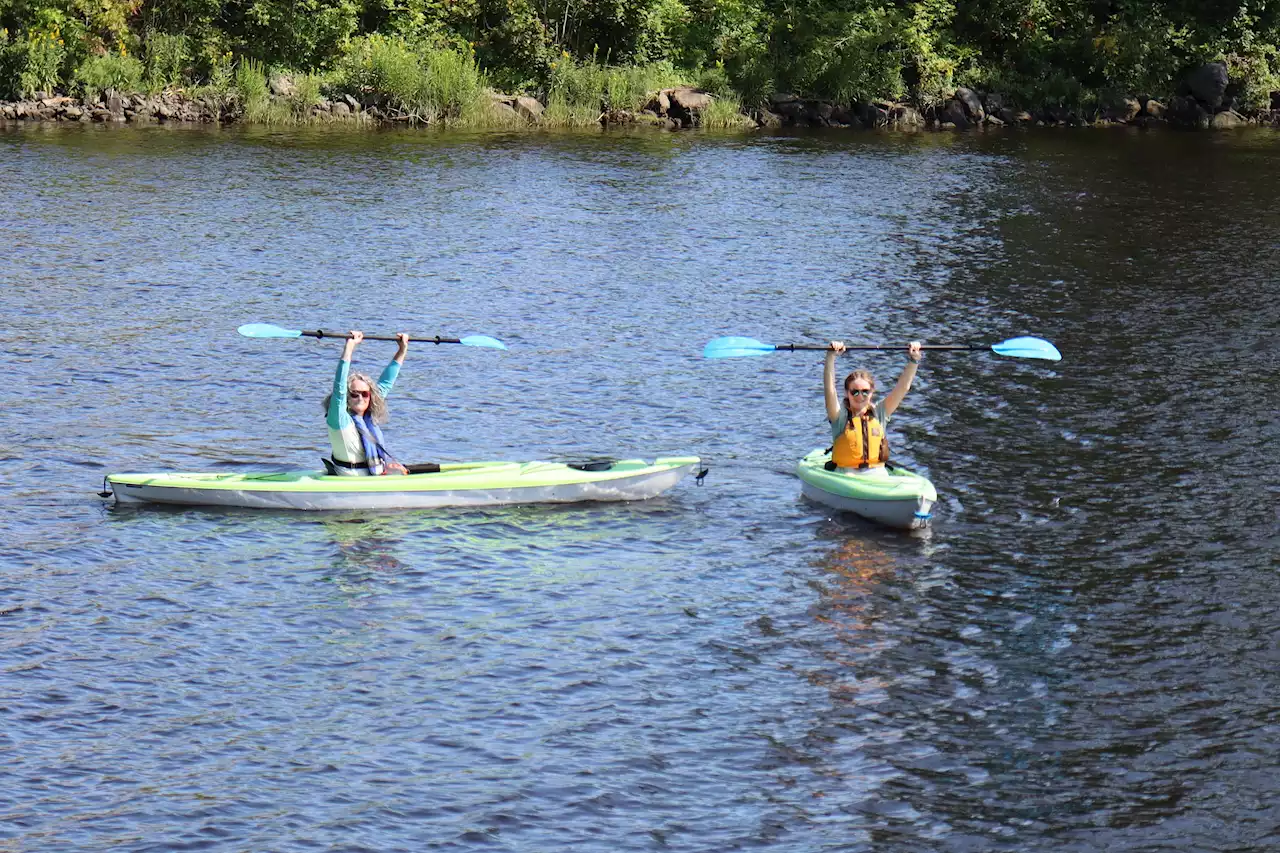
[(377, 403)]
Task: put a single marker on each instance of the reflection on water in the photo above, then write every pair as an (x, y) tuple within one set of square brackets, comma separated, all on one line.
[(1079, 656)]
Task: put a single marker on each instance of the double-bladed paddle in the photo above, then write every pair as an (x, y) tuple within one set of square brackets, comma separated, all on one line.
[(266, 330), (737, 347)]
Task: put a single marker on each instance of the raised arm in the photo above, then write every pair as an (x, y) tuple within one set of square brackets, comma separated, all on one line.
[(829, 381), (392, 370), (903, 385), (338, 397)]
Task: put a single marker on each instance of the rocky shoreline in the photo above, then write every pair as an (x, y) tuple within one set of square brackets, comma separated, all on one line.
[(1206, 99)]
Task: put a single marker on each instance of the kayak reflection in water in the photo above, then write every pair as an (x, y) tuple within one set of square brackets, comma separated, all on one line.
[(858, 422), (354, 411)]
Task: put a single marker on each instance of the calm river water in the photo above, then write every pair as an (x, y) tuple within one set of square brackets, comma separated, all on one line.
[(1084, 654)]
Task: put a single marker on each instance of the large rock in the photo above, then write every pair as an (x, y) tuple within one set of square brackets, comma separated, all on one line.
[(282, 85), (690, 100), (954, 113), (1208, 83), (765, 118), (617, 117), (1227, 120), (530, 108), (1056, 114), (1187, 112), (905, 117), (972, 105), (874, 115), (792, 112), (1121, 109)]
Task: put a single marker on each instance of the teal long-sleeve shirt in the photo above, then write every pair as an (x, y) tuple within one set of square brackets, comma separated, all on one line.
[(343, 436)]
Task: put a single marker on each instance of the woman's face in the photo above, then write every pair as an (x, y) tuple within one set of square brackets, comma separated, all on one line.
[(358, 394), (857, 395)]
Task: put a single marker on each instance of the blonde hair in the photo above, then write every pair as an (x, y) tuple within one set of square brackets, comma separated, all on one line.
[(860, 374), (377, 403)]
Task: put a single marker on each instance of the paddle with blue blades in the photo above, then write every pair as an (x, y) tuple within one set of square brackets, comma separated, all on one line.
[(266, 330), (738, 347)]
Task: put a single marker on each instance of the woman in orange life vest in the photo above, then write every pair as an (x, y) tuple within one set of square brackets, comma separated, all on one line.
[(858, 422)]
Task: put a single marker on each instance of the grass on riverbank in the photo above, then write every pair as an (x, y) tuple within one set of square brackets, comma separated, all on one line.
[(402, 80)]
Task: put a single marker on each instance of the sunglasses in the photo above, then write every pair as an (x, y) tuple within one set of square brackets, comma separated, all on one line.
[(854, 392), (361, 394)]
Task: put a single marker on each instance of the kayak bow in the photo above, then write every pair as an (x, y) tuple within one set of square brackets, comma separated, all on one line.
[(895, 498)]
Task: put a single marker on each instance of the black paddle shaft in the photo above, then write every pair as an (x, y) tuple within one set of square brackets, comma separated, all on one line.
[(886, 347), (321, 333)]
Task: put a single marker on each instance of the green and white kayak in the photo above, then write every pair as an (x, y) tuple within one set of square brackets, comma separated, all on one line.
[(895, 498), (462, 484)]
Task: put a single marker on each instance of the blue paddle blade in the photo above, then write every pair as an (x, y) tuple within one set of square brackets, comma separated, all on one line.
[(1027, 348), (483, 341), (266, 330), (734, 347)]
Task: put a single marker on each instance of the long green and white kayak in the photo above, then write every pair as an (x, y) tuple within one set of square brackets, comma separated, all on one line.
[(895, 498), (462, 484)]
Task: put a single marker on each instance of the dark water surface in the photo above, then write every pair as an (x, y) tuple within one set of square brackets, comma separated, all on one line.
[(1084, 654)]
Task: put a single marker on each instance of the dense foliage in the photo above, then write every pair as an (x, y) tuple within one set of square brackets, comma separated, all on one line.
[(1036, 51)]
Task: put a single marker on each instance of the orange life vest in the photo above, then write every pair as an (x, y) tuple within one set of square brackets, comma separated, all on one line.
[(862, 444)]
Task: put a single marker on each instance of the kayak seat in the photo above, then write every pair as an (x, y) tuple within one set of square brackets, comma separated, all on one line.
[(422, 468), (592, 465)]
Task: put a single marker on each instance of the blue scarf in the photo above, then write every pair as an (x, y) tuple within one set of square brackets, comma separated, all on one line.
[(376, 455)]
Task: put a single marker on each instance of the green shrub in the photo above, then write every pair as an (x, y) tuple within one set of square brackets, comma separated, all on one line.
[(453, 88), (12, 63), (165, 58), (306, 94), (113, 71), (250, 87), (582, 87), (430, 84), (40, 59), (725, 112), (382, 66), (1259, 73)]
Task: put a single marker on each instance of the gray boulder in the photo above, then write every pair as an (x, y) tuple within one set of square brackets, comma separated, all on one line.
[(954, 113), (972, 104), (282, 85), (1187, 112), (1208, 83), (690, 100), (530, 108), (1227, 120)]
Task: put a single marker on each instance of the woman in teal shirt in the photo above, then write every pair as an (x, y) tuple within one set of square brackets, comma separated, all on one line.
[(355, 410)]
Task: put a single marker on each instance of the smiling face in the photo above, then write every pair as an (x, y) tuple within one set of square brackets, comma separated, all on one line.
[(858, 390), (358, 396)]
